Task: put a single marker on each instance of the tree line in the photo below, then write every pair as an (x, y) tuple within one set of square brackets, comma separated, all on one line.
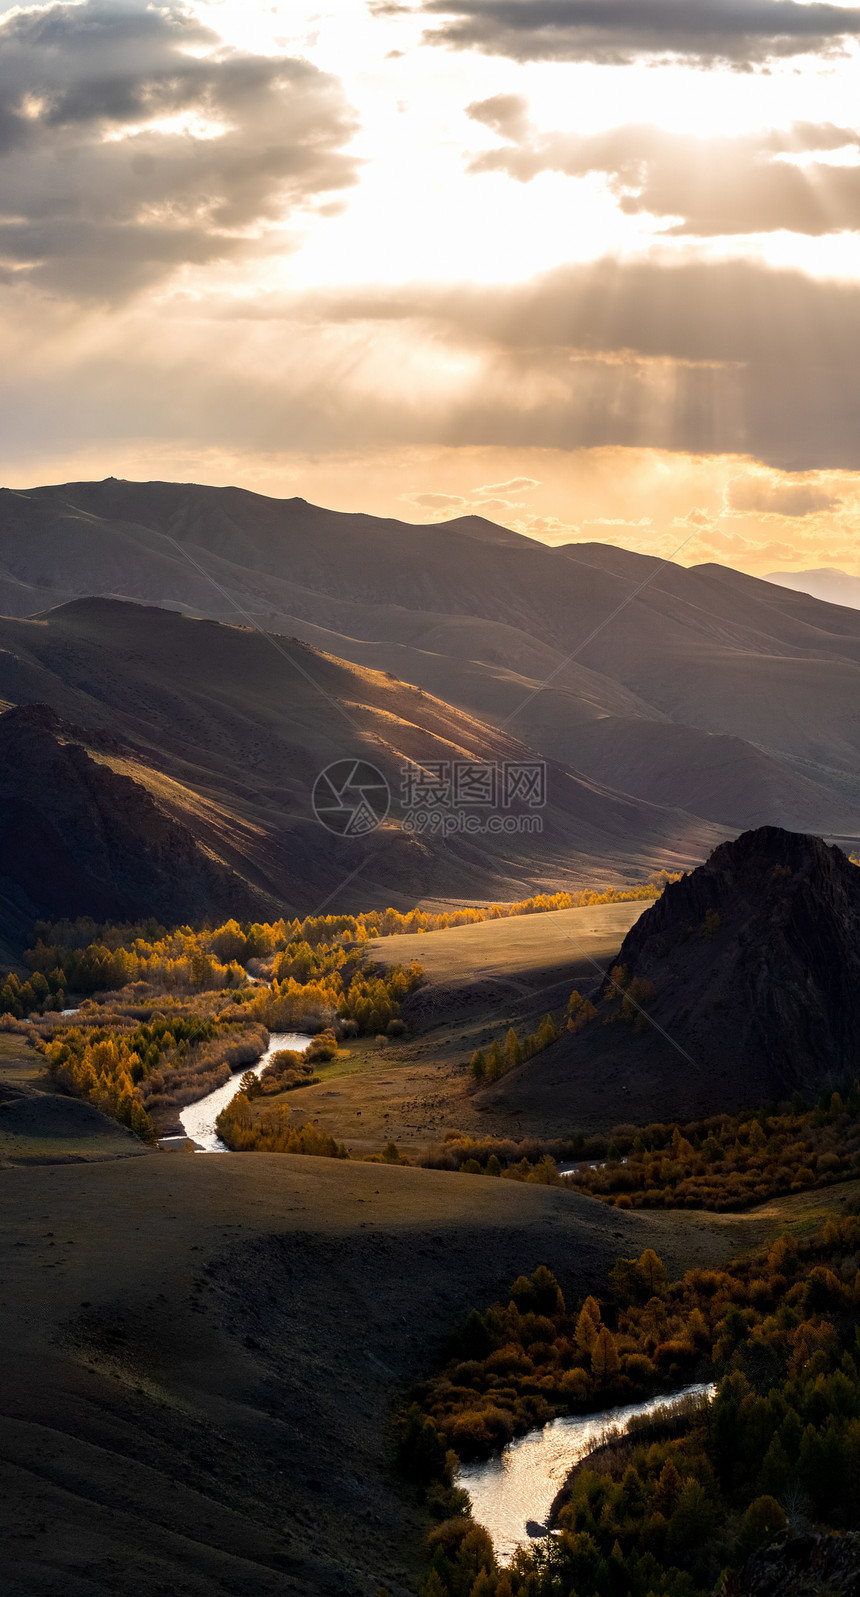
[(729, 1162), (663, 1512), (185, 1014)]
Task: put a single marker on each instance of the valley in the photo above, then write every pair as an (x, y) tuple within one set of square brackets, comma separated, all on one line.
[(269, 1154), (159, 1397)]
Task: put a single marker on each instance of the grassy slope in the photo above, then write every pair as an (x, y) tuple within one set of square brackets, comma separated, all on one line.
[(479, 980), (38, 1126), (194, 1432)]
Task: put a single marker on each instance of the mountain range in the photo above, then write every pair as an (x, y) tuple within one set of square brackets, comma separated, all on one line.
[(680, 705), (826, 582), (226, 736)]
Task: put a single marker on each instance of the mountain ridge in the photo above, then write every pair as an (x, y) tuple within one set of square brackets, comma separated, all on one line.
[(227, 735), (482, 617), (827, 583)]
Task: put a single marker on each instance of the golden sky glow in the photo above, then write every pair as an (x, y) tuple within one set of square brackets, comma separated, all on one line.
[(592, 281)]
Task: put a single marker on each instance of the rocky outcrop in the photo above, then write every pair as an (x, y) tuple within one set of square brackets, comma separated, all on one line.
[(800, 1566), (754, 961), (746, 974)]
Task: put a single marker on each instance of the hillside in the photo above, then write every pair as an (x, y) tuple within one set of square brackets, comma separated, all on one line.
[(201, 1358), (77, 837), (749, 972), (481, 617), (210, 727)]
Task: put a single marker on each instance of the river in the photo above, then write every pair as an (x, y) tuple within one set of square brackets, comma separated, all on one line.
[(518, 1486), (198, 1119)]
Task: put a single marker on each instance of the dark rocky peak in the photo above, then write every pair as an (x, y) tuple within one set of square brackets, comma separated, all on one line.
[(751, 963), (765, 873)]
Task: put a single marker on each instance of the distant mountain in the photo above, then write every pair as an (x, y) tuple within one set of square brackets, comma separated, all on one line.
[(827, 583), (749, 970), (481, 617), (195, 729)]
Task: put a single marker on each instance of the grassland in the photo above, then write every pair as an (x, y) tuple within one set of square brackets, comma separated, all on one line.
[(200, 1355), (478, 980)]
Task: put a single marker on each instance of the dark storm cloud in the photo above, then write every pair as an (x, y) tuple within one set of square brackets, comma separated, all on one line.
[(712, 358), (95, 199), (711, 185), (739, 33)]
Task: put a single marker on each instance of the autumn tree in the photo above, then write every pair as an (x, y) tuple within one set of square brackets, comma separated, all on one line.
[(604, 1356), (587, 1325)]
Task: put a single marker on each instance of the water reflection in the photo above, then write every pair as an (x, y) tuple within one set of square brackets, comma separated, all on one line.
[(518, 1486)]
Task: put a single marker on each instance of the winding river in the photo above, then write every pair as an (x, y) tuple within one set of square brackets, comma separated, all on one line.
[(198, 1119), (518, 1486)]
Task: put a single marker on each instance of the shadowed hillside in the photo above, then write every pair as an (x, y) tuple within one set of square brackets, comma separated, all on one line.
[(77, 837), (228, 735), (748, 970), (481, 617), (201, 1358)]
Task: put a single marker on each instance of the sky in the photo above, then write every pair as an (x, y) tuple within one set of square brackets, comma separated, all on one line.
[(589, 268)]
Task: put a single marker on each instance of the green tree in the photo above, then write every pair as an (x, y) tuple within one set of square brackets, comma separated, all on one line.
[(420, 1450)]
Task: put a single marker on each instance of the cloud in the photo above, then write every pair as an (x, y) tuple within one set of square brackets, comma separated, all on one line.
[(493, 506), (550, 526), (437, 501), (619, 521), (702, 357), (762, 494), (706, 186), (515, 485), (737, 33), (502, 509), (132, 143), (505, 114)]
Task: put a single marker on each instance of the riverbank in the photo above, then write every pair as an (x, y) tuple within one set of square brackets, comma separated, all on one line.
[(516, 1494), (198, 1120)]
